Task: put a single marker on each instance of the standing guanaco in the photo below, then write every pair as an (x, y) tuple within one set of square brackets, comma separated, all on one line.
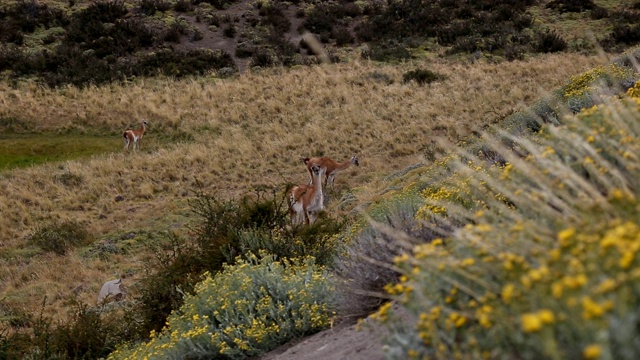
[(134, 136), (332, 167), (306, 200)]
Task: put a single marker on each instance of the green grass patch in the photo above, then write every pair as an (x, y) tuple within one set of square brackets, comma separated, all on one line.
[(26, 150)]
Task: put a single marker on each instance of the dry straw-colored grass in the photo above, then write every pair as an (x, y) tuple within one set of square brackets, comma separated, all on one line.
[(247, 132)]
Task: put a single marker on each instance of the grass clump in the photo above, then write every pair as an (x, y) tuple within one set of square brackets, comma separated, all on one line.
[(243, 311), (422, 76), (60, 237)]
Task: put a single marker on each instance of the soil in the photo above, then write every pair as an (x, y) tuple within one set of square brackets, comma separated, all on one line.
[(342, 341)]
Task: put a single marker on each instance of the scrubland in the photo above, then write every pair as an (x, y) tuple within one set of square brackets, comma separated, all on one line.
[(230, 136)]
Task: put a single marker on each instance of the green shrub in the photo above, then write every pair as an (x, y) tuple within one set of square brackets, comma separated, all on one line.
[(386, 51), (89, 333), (571, 5), (550, 41), (421, 76), (244, 311), (149, 7), (60, 237)]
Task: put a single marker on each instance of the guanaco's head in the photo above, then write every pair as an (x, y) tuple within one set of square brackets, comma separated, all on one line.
[(355, 161), (145, 123), (315, 168)]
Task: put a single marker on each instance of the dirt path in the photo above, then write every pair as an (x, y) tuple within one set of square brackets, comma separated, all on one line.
[(343, 341)]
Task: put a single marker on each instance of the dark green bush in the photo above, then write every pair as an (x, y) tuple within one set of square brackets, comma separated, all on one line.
[(322, 18), (564, 6), (90, 333), (149, 7), (273, 16), (421, 76), (218, 4), (626, 34), (60, 237), (229, 31), (183, 6), (173, 272), (550, 41), (174, 33), (342, 35), (386, 51)]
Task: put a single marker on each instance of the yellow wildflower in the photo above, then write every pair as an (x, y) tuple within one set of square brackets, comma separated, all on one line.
[(546, 316), (507, 292), (592, 352), (531, 322)]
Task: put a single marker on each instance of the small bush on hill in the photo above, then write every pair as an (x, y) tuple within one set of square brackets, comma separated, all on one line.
[(388, 51), (421, 76), (550, 41), (89, 333), (571, 5), (149, 7), (183, 6), (60, 237), (273, 16)]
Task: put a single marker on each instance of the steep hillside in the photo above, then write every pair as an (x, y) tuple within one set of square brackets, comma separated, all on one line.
[(82, 42)]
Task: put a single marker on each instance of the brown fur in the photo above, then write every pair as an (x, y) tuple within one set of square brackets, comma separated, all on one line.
[(332, 167)]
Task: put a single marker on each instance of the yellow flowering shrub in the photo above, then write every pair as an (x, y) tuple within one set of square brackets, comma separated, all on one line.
[(548, 263), (247, 309), (583, 83)]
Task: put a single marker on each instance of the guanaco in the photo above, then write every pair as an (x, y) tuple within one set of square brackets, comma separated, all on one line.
[(306, 200), (134, 136), (332, 167)]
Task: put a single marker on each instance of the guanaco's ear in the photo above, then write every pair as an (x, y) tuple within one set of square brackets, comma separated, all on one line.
[(305, 160)]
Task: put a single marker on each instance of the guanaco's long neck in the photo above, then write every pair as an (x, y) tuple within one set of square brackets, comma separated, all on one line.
[(342, 166), (317, 183), (143, 129)]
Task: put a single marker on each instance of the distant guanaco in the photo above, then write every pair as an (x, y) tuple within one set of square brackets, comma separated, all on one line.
[(306, 200), (332, 167), (134, 136)]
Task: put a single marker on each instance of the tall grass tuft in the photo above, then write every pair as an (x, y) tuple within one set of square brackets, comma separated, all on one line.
[(60, 237)]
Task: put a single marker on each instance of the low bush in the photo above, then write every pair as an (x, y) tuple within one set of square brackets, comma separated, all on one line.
[(571, 5), (149, 7), (183, 6), (89, 333), (60, 237), (421, 76), (230, 31), (265, 304), (550, 41), (386, 51)]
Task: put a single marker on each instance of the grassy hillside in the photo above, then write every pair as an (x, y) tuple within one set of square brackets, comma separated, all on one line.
[(227, 137), (77, 210)]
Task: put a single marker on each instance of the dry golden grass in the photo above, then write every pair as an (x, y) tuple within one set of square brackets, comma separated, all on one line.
[(247, 132)]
